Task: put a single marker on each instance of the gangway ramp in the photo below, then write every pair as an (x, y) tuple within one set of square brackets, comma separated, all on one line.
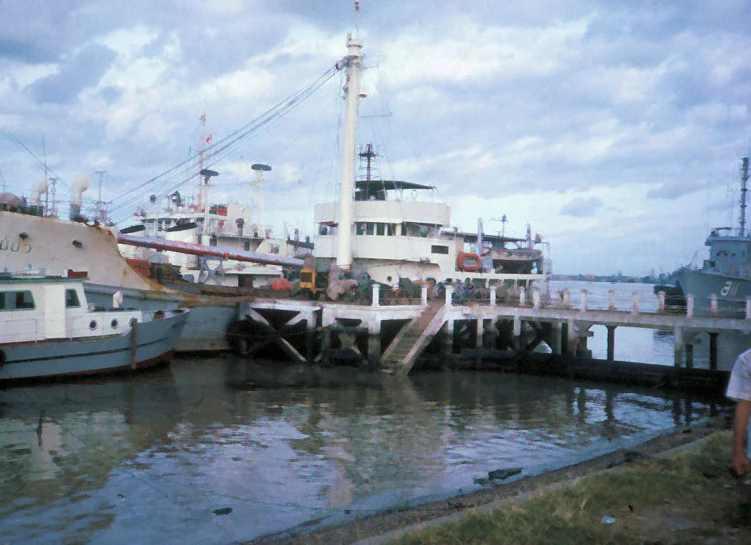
[(401, 354)]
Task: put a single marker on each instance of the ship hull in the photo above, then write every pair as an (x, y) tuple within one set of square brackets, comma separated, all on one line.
[(731, 292)]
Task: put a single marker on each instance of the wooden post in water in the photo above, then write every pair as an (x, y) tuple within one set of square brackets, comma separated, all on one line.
[(713, 351), (611, 342), (448, 348), (678, 347), (571, 338), (374, 343), (133, 343), (478, 342)]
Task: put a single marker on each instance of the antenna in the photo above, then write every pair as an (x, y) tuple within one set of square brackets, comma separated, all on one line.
[(99, 210), (744, 179), (259, 181)]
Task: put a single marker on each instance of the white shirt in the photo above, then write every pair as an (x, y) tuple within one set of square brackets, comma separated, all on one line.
[(739, 386)]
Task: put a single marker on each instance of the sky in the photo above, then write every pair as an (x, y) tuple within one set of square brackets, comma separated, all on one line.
[(615, 129)]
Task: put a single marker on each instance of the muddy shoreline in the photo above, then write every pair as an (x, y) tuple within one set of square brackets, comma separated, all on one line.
[(388, 521)]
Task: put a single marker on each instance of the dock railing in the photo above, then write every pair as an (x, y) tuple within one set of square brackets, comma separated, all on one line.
[(712, 306)]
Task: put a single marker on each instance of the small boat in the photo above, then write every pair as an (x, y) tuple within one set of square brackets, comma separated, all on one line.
[(47, 329)]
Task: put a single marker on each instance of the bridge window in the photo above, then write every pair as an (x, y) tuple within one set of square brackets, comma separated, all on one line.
[(369, 226), (439, 249), (71, 299), (380, 229)]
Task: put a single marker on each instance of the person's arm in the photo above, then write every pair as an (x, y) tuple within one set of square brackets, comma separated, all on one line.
[(741, 463)]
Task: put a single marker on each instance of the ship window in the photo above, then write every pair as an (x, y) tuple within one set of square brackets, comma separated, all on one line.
[(274, 248), (369, 228), (247, 245), (390, 229), (360, 228), (24, 299), (439, 249), (213, 240), (16, 300), (380, 229), (71, 299)]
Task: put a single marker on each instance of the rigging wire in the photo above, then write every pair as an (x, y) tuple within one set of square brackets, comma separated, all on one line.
[(171, 180), (41, 162)]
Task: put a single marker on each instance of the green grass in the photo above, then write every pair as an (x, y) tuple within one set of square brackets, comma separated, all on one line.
[(686, 498)]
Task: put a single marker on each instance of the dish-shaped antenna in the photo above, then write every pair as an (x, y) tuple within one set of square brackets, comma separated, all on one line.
[(260, 167)]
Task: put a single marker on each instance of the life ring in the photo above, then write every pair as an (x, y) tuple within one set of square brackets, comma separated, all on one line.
[(468, 262)]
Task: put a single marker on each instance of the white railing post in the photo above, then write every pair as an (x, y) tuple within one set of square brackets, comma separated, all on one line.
[(566, 298), (522, 296), (748, 307), (376, 294), (713, 304), (584, 301), (493, 295), (536, 299), (635, 297), (689, 306), (611, 299), (424, 296), (661, 302), (449, 293)]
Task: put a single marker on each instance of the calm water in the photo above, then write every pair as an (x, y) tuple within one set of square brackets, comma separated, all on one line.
[(164, 456)]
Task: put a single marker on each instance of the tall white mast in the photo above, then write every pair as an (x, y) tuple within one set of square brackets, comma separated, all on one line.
[(352, 90)]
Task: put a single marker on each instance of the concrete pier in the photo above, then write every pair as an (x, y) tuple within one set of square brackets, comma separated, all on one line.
[(393, 337)]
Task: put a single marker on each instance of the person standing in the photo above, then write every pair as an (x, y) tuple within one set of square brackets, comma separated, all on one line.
[(739, 389)]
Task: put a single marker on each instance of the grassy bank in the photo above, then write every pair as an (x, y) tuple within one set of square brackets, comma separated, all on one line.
[(684, 497)]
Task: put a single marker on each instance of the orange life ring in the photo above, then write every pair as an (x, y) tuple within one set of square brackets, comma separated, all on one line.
[(468, 262)]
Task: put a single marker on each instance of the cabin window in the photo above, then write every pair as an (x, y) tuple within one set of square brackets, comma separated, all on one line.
[(16, 300), (213, 240), (360, 228), (71, 299), (390, 229), (274, 248), (380, 229), (439, 249), (369, 226)]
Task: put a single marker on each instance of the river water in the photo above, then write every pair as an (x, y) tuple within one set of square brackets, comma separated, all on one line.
[(224, 450)]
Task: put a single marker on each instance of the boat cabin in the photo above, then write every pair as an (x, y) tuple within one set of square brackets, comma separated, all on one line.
[(35, 307)]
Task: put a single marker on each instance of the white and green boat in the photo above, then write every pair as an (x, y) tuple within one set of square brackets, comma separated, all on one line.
[(48, 329)]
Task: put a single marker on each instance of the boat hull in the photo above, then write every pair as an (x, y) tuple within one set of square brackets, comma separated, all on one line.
[(155, 342), (205, 329), (731, 292)]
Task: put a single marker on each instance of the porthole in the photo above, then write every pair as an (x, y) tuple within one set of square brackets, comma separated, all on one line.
[(78, 244), (114, 324), (92, 324)]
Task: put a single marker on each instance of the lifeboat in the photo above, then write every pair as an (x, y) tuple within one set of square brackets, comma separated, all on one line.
[(468, 262)]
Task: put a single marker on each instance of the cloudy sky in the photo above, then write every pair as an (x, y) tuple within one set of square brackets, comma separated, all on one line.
[(614, 128)]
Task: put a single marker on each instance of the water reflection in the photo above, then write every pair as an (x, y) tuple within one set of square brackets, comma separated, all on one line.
[(168, 455)]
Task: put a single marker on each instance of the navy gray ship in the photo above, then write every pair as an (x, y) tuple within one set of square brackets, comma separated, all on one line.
[(726, 274)]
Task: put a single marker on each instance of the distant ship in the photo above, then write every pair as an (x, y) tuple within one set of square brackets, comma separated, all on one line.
[(727, 272)]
